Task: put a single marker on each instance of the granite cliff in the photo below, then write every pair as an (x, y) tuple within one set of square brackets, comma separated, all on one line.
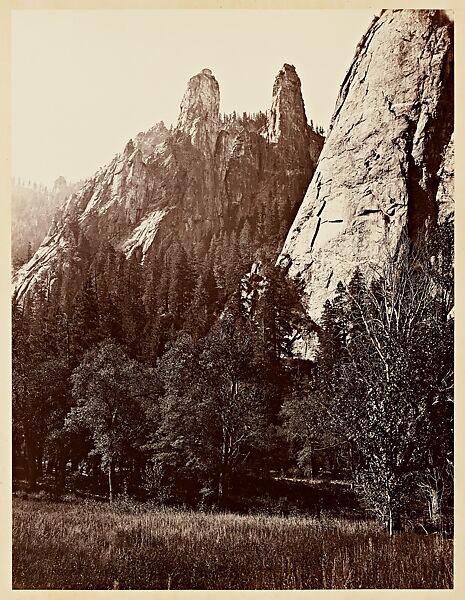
[(387, 164)]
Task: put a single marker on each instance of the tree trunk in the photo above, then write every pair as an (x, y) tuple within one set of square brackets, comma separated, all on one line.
[(31, 463), (39, 461), (110, 481), (434, 507), (95, 472), (220, 490), (111, 465), (311, 463), (223, 484), (60, 472), (352, 465), (394, 522), (51, 467), (223, 478)]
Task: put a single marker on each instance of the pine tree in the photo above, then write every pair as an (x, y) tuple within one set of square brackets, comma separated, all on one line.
[(245, 243), (181, 284), (84, 322), (204, 305), (132, 305)]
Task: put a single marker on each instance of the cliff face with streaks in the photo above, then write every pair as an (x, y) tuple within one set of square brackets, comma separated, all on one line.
[(387, 164), (209, 176)]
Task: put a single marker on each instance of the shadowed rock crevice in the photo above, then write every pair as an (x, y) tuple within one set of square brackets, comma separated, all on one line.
[(423, 180)]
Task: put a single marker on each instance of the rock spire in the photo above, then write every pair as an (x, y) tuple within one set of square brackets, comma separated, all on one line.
[(200, 111)]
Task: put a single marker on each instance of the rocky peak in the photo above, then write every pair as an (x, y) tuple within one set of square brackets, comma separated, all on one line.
[(199, 116), (59, 185), (129, 149), (287, 114), (147, 141), (379, 174), (208, 179)]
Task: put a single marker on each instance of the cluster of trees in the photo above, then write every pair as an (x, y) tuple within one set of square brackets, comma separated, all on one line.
[(184, 385), (18, 182), (203, 414), (256, 121), (383, 389), (100, 375), (318, 129), (253, 120)]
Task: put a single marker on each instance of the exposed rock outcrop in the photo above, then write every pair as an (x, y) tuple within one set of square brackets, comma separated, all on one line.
[(209, 176), (386, 166), (59, 185), (200, 111), (287, 115), (147, 141), (445, 195)]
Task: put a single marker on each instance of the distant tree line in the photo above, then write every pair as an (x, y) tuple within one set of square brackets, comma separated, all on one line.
[(33, 208)]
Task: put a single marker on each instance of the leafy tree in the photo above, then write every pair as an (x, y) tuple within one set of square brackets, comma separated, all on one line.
[(39, 378), (110, 389), (236, 397), (179, 451), (308, 426), (393, 375), (382, 387), (213, 410)]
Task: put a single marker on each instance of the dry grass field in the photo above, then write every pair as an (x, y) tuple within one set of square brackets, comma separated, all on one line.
[(91, 545)]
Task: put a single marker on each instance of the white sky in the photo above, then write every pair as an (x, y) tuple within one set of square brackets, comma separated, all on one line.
[(84, 82)]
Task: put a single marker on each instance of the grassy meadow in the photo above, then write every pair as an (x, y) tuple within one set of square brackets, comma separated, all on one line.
[(90, 545)]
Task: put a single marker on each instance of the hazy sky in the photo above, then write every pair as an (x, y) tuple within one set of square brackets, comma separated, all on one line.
[(84, 82)]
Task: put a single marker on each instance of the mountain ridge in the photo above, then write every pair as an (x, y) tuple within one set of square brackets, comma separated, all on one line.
[(207, 175)]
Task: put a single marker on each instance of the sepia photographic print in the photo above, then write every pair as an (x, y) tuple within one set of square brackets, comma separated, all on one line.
[(232, 298)]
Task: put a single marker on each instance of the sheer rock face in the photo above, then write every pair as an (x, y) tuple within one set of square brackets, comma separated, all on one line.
[(207, 175), (200, 111), (387, 158), (287, 115), (445, 195), (287, 121)]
